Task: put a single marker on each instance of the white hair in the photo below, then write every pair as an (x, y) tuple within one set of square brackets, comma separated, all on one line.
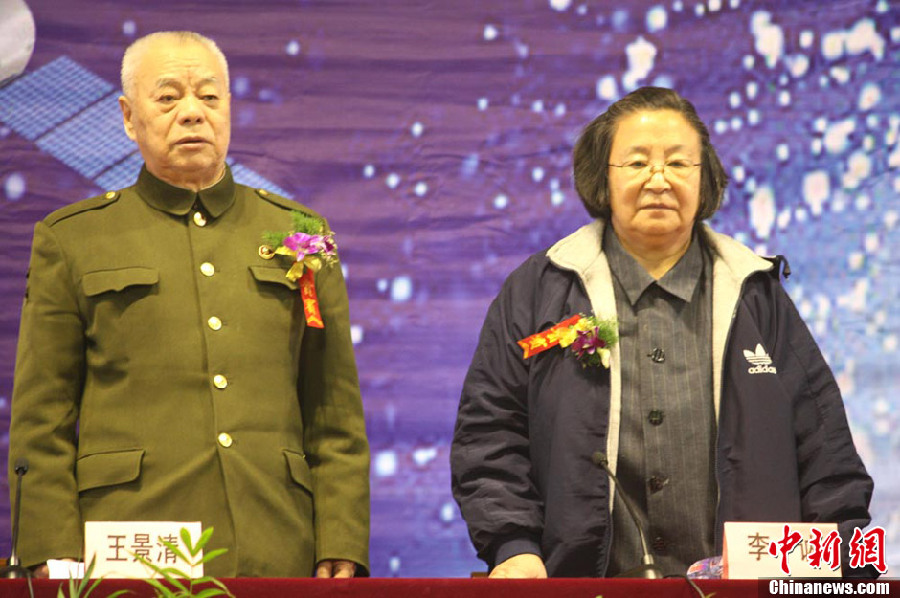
[(136, 50)]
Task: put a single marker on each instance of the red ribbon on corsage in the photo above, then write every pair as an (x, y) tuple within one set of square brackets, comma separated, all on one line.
[(310, 299), (547, 339), (311, 246)]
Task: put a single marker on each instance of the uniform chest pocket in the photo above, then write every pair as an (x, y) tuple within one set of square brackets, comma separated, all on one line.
[(118, 301), (280, 308), (272, 278), (99, 282)]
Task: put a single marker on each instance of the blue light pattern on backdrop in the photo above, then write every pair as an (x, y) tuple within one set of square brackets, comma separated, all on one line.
[(437, 139), (26, 106)]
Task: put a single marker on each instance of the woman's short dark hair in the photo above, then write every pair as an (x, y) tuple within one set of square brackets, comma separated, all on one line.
[(591, 153)]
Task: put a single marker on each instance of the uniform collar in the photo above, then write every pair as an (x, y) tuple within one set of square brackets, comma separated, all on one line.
[(175, 200), (680, 280)]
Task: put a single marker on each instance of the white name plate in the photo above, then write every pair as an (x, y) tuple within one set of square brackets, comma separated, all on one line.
[(63, 569), (116, 546), (753, 550)]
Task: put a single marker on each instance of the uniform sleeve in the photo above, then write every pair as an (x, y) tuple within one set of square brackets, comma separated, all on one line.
[(834, 484), (491, 471), (334, 428), (47, 387)]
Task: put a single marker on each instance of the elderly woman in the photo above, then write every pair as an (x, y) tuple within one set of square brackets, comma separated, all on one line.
[(696, 381)]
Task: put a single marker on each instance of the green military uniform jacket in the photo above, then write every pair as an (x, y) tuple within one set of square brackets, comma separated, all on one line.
[(165, 372)]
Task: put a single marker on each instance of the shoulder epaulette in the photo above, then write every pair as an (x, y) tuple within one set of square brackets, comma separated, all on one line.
[(85, 205), (782, 267), (288, 204)]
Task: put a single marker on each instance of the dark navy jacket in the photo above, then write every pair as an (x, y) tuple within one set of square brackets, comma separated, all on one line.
[(530, 432)]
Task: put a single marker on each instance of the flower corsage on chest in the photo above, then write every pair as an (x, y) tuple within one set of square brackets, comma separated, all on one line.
[(589, 339), (307, 248)]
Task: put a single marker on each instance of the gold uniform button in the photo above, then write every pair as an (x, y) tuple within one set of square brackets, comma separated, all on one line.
[(214, 323), (111, 195), (225, 439), (263, 192), (220, 381), (199, 219), (207, 269)]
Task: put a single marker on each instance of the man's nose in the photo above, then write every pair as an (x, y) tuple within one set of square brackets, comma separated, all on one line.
[(191, 109)]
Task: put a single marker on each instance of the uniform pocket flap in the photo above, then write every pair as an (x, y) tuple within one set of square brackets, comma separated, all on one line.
[(269, 274), (108, 469), (300, 472), (103, 281)]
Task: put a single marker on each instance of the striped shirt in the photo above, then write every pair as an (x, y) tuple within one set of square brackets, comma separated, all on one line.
[(666, 443)]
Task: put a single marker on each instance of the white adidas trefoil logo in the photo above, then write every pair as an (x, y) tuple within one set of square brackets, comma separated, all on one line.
[(762, 363)]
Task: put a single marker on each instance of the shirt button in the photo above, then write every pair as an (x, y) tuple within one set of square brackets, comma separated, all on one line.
[(199, 219), (655, 417), (214, 323), (225, 439), (657, 355), (657, 483), (207, 269), (220, 381)]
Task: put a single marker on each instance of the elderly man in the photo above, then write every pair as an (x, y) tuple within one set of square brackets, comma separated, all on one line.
[(166, 367)]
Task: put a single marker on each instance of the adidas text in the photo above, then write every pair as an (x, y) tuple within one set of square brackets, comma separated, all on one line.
[(761, 369)]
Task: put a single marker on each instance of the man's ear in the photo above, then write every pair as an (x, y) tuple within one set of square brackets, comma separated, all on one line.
[(127, 115)]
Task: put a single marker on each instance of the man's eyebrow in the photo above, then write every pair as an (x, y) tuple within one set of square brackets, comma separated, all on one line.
[(165, 82), (207, 81), (170, 82)]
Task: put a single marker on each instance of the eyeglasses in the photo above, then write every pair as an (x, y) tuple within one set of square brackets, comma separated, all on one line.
[(674, 170)]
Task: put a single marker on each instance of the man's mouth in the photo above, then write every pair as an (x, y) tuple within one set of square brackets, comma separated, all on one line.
[(191, 141)]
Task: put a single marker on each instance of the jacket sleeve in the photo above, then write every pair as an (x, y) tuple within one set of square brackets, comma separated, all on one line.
[(335, 443), (47, 390), (834, 484), (491, 470)]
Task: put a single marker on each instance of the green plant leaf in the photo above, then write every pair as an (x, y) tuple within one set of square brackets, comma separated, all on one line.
[(91, 587), (167, 573), (175, 550), (212, 554), (304, 223), (273, 240), (174, 577), (155, 583), (81, 584), (221, 585), (89, 570), (186, 539), (204, 538)]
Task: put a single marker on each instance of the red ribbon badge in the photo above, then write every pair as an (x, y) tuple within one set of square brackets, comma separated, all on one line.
[(547, 339), (310, 300)]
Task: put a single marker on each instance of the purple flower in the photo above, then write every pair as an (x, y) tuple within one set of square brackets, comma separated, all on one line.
[(330, 245), (304, 244), (588, 343)]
